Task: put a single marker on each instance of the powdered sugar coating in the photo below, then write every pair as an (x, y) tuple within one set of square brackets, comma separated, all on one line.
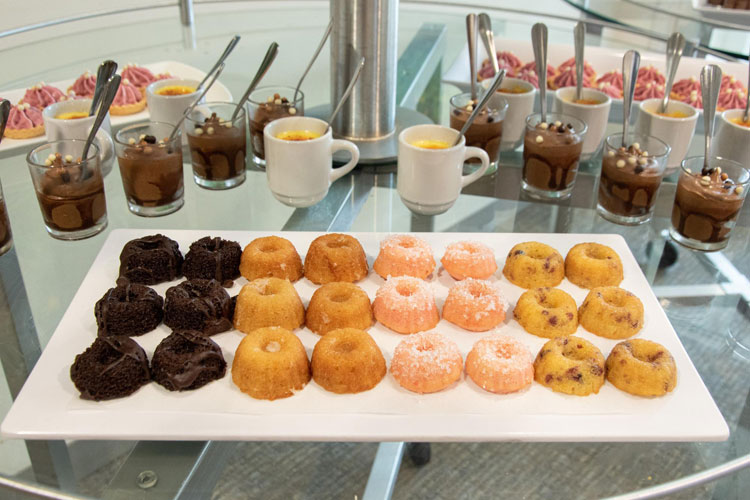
[(475, 305), (426, 362), (404, 255), (500, 364), (469, 259), (405, 305)]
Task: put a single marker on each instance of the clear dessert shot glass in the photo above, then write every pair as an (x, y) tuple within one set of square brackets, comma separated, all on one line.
[(218, 145), (70, 190), (487, 130), (6, 236), (265, 105), (551, 153), (708, 202), (630, 178), (151, 168)]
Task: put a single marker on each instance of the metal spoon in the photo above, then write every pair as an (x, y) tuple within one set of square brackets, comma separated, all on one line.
[(675, 47), (488, 39), (346, 93), (4, 115), (539, 43), (480, 106), (630, 63), (471, 35), (190, 108), (273, 49), (106, 70), (314, 57), (746, 116), (579, 36), (230, 47), (108, 95), (710, 85)]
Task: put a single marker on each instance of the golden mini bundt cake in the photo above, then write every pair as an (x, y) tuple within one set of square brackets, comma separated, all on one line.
[(547, 312), (533, 264), (270, 363), (338, 305), (335, 257), (268, 302), (611, 312), (642, 368), (347, 361), (570, 365), (590, 265), (271, 257)]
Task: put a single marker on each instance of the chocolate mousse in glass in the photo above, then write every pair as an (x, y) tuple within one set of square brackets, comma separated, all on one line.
[(6, 237), (487, 130), (551, 152), (630, 178), (708, 202), (265, 105), (70, 191), (218, 145), (151, 168)]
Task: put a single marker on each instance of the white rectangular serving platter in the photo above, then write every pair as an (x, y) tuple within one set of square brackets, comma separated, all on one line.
[(48, 407), (218, 92), (719, 13)]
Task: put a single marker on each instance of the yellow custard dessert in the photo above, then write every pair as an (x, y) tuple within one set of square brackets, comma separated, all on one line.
[(297, 135), (589, 102), (431, 144), (176, 90), (72, 115), (738, 121), (516, 89), (674, 114)]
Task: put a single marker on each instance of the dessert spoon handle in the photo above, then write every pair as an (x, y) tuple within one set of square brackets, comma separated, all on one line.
[(108, 95), (471, 35), (710, 85), (579, 37), (630, 63), (485, 99), (488, 39), (539, 43), (746, 116), (314, 57), (348, 91), (106, 70), (675, 47), (190, 108), (265, 64), (4, 114), (230, 47)]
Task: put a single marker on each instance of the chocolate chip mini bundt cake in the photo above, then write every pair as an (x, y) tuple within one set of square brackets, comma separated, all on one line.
[(151, 260), (570, 365), (186, 360), (128, 309), (198, 304), (213, 258), (533, 264)]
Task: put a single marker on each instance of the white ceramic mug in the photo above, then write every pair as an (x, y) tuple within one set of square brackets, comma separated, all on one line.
[(596, 116), (520, 105), (732, 140), (429, 180), (170, 108), (676, 132), (301, 172), (58, 129)]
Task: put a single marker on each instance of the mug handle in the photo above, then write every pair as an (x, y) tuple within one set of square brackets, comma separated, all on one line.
[(104, 141), (338, 145), (472, 152)]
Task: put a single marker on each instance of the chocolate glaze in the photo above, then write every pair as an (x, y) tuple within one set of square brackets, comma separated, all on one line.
[(261, 116), (213, 258), (151, 173), (128, 309), (551, 165), (220, 154), (629, 190), (198, 304), (186, 360), (705, 210), (151, 260), (486, 132)]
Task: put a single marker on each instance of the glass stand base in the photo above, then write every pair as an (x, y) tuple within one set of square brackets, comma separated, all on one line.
[(624, 220), (81, 234), (543, 194), (696, 244), (222, 184), (259, 162), (156, 211)]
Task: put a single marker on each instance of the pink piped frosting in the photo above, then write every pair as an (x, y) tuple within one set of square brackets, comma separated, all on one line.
[(613, 78), (683, 88), (649, 90), (732, 99), (84, 85), (694, 98), (528, 75), (505, 60), (588, 70), (138, 75), (531, 66), (730, 82), (610, 89), (649, 74), (24, 116), (40, 96), (127, 93), (567, 78)]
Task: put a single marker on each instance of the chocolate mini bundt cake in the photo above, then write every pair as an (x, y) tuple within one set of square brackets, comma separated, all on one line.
[(213, 258), (198, 304), (186, 360), (128, 309), (151, 260)]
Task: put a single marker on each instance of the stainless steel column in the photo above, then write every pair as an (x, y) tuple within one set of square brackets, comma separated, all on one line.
[(365, 28)]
